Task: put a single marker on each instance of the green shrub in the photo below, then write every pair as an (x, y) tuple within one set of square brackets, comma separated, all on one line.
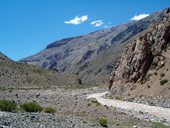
[(31, 107), (2, 88), (159, 125), (8, 106), (145, 79), (163, 57), (89, 104), (154, 65), (148, 86), (118, 98), (162, 82), (162, 74), (103, 122), (155, 73), (49, 110)]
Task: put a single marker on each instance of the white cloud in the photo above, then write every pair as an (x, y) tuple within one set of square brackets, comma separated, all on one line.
[(139, 17), (97, 23), (77, 20)]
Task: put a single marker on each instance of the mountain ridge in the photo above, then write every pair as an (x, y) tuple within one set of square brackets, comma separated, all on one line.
[(92, 56)]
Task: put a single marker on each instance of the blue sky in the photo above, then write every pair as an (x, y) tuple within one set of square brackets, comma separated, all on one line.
[(28, 26)]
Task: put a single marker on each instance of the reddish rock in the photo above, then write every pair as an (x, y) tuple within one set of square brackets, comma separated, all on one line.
[(139, 54)]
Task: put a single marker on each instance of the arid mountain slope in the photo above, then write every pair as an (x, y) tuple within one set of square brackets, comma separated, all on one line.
[(92, 56), (144, 67), (13, 74)]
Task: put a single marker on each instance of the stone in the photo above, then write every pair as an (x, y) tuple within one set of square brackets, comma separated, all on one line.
[(37, 95)]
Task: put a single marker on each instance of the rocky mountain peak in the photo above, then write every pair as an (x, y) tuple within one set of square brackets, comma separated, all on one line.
[(138, 56)]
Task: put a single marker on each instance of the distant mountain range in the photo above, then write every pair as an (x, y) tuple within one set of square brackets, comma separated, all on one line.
[(92, 56)]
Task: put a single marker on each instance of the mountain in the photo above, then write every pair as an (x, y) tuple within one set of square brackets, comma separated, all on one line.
[(14, 74), (143, 69), (92, 56)]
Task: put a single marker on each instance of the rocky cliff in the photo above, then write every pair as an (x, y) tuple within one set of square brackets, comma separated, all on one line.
[(141, 55)]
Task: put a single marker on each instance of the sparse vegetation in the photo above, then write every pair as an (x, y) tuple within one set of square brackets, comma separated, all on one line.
[(155, 73), (103, 122), (2, 88), (154, 65), (11, 89), (89, 104), (38, 71), (31, 107), (49, 110), (164, 81), (159, 125), (158, 62), (118, 98), (163, 57), (162, 74), (148, 86), (80, 114), (145, 79), (8, 106)]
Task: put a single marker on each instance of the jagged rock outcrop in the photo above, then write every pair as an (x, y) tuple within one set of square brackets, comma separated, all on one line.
[(139, 54)]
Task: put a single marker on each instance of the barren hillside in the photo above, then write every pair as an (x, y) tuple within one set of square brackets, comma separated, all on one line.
[(13, 74)]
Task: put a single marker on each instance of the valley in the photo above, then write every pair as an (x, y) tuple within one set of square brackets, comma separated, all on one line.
[(72, 110), (92, 56), (117, 77)]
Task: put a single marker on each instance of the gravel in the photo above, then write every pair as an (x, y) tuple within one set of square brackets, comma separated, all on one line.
[(42, 120), (73, 110), (157, 114)]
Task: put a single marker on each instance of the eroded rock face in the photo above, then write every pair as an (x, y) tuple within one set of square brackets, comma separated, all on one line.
[(134, 62), (139, 54)]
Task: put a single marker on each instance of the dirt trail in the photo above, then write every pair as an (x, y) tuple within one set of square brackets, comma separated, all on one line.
[(152, 110)]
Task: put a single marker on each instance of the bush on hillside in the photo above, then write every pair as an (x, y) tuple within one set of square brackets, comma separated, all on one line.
[(49, 110), (154, 65), (162, 82), (103, 122), (8, 106), (31, 107), (162, 74)]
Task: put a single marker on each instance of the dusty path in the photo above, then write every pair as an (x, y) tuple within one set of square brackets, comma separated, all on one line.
[(152, 110)]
